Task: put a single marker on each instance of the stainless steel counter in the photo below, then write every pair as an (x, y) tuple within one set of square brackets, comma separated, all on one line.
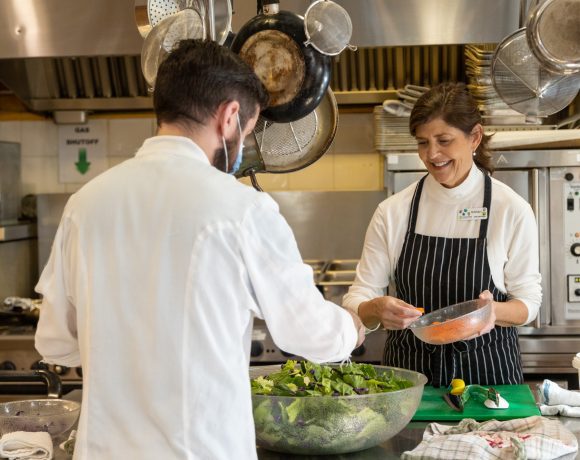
[(406, 440)]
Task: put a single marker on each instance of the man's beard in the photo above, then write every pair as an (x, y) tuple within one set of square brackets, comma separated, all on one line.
[(219, 157)]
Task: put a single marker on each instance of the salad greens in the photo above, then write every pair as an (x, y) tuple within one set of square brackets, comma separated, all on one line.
[(323, 422), (305, 378)]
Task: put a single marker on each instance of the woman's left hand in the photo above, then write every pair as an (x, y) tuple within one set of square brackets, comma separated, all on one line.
[(487, 327)]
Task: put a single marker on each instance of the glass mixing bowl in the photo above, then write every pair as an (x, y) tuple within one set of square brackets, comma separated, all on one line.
[(452, 323), (333, 424), (55, 416)]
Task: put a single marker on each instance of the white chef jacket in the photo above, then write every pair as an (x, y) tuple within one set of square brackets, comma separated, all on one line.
[(512, 237), (156, 272)]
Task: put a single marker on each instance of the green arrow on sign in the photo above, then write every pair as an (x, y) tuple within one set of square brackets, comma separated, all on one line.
[(83, 165)]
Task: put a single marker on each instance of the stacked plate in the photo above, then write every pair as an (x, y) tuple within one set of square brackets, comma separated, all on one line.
[(478, 60), (392, 132), (392, 121)]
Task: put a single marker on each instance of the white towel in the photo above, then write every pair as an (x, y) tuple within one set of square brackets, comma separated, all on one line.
[(555, 400), (24, 445)]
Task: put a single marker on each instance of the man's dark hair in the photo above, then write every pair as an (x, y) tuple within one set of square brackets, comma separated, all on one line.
[(200, 75)]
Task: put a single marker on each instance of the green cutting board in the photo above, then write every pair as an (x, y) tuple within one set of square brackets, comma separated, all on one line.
[(520, 398)]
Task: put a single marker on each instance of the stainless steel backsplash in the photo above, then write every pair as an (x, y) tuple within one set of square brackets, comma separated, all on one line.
[(327, 225)]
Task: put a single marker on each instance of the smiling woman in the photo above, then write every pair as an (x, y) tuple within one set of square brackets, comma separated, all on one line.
[(448, 127), (447, 151), (455, 235)]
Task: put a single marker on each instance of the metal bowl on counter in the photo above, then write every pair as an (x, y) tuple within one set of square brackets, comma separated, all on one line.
[(452, 323), (323, 425), (55, 416)]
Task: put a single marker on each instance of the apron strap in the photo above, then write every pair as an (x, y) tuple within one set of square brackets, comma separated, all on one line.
[(415, 206), (487, 205)]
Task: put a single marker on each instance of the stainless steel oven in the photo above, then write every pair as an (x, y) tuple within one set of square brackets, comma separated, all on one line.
[(19, 357), (550, 181)]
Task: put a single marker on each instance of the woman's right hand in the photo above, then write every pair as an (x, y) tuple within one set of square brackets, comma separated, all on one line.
[(390, 312)]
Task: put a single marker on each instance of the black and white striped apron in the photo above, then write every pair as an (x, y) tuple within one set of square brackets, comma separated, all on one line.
[(433, 272)]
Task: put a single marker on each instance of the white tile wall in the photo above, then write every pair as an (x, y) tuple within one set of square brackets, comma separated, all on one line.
[(39, 149), (39, 139), (10, 131), (127, 135), (40, 175), (350, 164)]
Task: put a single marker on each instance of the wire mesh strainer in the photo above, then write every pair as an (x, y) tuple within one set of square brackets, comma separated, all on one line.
[(328, 27), (165, 36), (285, 144), (553, 33), (287, 147), (524, 84)]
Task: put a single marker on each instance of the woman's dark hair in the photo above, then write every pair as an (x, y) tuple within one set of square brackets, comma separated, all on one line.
[(453, 103), (200, 75)]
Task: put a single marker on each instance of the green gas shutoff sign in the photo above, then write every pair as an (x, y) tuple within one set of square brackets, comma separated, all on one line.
[(82, 151)]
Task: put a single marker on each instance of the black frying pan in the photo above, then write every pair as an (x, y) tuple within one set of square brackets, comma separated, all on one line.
[(296, 76)]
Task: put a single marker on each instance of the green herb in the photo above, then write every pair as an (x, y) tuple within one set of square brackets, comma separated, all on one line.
[(309, 379)]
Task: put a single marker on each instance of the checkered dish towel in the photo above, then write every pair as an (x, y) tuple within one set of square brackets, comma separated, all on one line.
[(525, 438)]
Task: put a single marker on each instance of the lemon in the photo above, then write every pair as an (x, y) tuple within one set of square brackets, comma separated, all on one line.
[(457, 386)]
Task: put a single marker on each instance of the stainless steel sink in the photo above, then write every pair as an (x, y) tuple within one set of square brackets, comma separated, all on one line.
[(335, 277), (317, 265), (342, 278), (342, 265)]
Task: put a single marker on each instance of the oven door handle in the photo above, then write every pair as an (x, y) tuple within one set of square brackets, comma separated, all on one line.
[(535, 203), (52, 380)]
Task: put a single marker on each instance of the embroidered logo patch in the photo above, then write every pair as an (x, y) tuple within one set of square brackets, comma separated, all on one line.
[(472, 214)]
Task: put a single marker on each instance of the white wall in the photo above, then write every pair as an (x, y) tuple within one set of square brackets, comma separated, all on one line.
[(39, 149), (351, 163)]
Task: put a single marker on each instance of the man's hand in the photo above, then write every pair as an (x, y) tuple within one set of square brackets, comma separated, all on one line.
[(360, 327)]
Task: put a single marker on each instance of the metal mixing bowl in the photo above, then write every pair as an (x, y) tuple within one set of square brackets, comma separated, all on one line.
[(452, 323), (55, 416), (333, 424)]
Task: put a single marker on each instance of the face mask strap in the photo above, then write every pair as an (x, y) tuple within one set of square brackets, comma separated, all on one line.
[(226, 147), (226, 153)]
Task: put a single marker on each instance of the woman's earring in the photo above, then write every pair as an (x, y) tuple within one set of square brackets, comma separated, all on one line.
[(474, 153)]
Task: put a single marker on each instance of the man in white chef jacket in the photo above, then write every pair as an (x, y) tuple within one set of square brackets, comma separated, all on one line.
[(159, 266)]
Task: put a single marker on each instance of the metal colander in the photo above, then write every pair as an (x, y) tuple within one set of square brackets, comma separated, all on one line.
[(186, 24), (524, 84), (164, 36), (161, 9), (553, 33), (328, 27), (158, 10)]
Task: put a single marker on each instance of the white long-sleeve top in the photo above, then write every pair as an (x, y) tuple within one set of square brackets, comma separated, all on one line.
[(158, 267), (512, 237)]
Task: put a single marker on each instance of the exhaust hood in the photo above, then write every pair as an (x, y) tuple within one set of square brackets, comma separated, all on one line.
[(84, 54)]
